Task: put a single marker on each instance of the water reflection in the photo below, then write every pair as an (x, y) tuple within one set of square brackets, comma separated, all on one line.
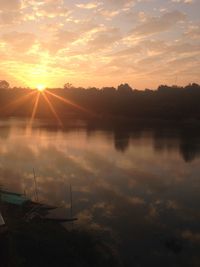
[(121, 140), (190, 147), (141, 192), (188, 143)]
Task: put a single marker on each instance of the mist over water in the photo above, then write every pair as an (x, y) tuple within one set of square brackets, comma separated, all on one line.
[(140, 189)]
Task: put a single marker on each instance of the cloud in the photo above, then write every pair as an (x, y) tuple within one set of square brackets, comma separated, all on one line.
[(19, 41), (60, 40), (52, 10), (10, 12), (127, 37), (10, 17), (159, 24), (183, 1), (105, 38), (90, 5), (184, 48), (10, 5), (193, 33), (45, 9), (121, 3), (142, 47), (109, 14), (189, 235)]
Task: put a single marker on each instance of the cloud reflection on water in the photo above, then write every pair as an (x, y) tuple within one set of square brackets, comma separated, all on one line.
[(145, 197)]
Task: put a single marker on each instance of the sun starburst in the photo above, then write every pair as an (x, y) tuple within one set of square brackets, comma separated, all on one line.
[(40, 87)]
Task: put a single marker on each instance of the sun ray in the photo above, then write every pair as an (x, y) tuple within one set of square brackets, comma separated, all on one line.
[(66, 101), (52, 109), (34, 109), (14, 104)]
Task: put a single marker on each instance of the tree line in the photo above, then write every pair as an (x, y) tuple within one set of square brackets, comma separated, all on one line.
[(164, 103)]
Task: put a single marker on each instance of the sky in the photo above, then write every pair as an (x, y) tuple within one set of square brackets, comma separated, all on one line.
[(99, 43)]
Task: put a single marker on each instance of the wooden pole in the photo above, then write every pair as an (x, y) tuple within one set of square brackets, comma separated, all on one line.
[(71, 207), (36, 191)]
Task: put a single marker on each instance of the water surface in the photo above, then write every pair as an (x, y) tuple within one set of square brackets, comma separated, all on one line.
[(139, 189)]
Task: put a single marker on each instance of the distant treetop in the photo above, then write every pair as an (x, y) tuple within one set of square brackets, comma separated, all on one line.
[(4, 84), (124, 88), (68, 86)]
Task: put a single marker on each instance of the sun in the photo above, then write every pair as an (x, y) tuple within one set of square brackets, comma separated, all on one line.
[(40, 87)]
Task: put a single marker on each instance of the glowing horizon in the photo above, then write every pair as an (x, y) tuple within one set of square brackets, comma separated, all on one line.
[(99, 43), (40, 87)]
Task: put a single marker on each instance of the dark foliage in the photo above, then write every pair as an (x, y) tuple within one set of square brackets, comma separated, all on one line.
[(165, 103)]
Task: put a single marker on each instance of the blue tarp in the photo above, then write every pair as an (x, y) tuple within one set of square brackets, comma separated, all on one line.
[(13, 198)]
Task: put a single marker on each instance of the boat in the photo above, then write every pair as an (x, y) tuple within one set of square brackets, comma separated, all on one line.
[(23, 208)]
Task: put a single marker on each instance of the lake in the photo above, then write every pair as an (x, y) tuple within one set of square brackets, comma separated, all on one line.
[(138, 189)]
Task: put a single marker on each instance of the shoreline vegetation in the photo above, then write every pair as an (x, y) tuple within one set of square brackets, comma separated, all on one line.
[(40, 242), (168, 105)]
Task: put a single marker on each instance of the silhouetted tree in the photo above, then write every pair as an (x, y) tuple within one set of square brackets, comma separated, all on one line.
[(193, 87), (108, 90), (67, 86), (165, 103), (124, 88), (4, 84)]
